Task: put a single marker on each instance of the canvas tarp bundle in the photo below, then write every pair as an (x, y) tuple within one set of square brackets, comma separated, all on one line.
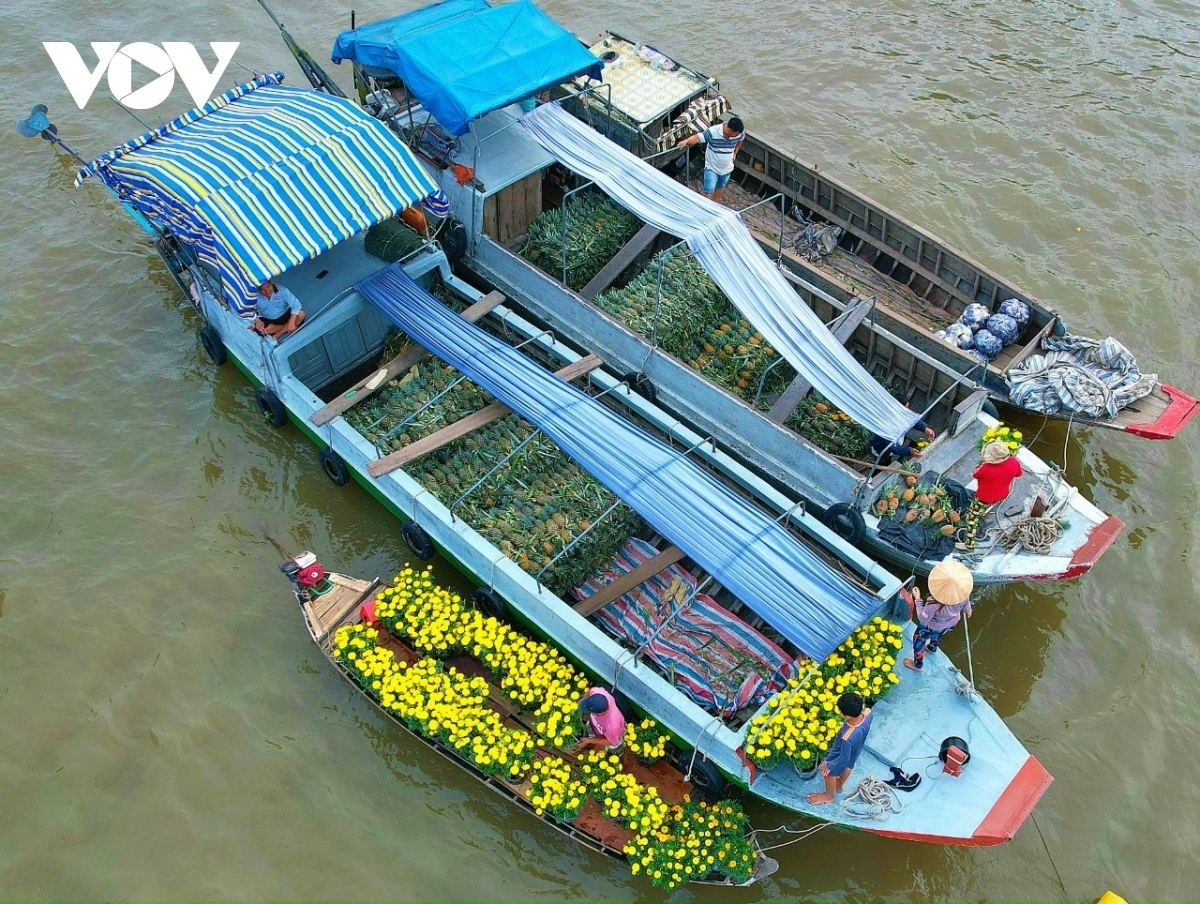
[(751, 555), (731, 256), (464, 58), (264, 178), (1079, 375)]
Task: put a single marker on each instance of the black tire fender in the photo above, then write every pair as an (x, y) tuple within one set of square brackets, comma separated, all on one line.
[(846, 521), (706, 778), (489, 602), (625, 706), (334, 467), (213, 345), (454, 241), (989, 408), (272, 409), (418, 540), (641, 384)]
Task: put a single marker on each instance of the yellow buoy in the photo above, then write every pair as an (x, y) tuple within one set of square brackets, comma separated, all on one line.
[(1111, 897)]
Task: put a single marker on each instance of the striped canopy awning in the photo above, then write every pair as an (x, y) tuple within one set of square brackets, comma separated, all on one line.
[(263, 178)]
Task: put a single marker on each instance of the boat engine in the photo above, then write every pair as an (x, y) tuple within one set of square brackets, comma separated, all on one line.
[(308, 576), (954, 755)]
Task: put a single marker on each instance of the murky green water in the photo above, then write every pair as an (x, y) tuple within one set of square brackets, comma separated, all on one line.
[(168, 731)]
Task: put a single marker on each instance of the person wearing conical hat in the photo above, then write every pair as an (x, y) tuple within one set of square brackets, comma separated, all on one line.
[(950, 585), (995, 476)]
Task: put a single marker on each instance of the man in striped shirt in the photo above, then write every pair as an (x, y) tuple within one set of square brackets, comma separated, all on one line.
[(722, 143)]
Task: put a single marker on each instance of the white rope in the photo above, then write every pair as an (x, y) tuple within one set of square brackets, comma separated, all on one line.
[(878, 800), (800, 834)]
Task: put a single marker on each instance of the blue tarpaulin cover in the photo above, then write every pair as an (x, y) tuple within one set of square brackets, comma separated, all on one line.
[(734, 260), (751, 555), (263, 178), (464, 58)]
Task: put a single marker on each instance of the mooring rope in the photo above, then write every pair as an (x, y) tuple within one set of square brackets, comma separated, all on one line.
[(879, 800), (1036, 535)]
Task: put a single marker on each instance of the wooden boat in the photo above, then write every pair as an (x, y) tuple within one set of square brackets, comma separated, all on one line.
[(344, 600), (921, 284), (314, 377), (1046, 530)]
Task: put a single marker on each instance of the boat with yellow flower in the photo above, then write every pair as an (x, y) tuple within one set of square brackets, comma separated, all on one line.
[(504, 707)]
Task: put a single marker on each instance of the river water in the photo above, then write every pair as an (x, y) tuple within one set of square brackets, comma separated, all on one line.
[(167, 729)]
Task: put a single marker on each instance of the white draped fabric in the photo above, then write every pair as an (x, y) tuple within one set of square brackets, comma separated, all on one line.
[(734, 260)]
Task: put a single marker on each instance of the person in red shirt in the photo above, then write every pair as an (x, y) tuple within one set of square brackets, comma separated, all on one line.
[(995, 475)]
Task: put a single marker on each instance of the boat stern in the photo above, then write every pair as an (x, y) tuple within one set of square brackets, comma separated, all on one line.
[(1180, 409)]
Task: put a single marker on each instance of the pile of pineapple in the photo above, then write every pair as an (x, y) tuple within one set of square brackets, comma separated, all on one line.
[(909, 500)]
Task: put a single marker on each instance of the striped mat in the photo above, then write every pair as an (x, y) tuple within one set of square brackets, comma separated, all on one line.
[(710, 654)]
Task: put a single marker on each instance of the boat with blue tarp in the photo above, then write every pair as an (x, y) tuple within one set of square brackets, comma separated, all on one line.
[(527, 169), (269, 182)]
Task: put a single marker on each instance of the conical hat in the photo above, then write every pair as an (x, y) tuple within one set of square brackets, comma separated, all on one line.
[(950, 582)]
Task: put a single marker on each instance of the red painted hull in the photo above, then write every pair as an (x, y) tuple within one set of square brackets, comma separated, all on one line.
[(1006, 816), (1168, 424)]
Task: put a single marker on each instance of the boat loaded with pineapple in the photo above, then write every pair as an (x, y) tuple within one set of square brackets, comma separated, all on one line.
[(674, 291), (834, 243), (605, 526)]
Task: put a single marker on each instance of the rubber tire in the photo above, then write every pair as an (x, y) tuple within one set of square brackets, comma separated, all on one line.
[(334, 467), (625, 706), (454, 242), (489, 602), (272, 409), (641, 384), (989, 408), (846, 521), (418, 540), (214, 345), (706, 778)]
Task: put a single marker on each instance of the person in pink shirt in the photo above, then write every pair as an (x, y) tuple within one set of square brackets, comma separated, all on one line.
[(602, 721)]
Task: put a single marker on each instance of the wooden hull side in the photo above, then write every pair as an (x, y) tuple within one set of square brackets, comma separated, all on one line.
[(907, 253)]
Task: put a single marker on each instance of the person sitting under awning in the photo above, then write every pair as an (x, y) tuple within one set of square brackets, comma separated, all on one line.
[(278, 310), (898, 451)]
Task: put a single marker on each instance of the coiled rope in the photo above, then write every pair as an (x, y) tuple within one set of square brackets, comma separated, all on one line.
[(1035, 535), (878, 800)]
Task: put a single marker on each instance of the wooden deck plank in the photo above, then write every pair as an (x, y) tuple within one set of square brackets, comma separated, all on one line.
[(668, 781), (473, 421), (591, 819), (847, 322), (635, 246), (367, 386), (339, 604), (627, 582)]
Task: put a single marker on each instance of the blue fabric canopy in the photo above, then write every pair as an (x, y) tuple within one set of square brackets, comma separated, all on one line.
[(464, 58), (758, 560), (263, 178)]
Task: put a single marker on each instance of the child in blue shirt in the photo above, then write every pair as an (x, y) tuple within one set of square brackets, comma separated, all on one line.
[(845, 749)]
